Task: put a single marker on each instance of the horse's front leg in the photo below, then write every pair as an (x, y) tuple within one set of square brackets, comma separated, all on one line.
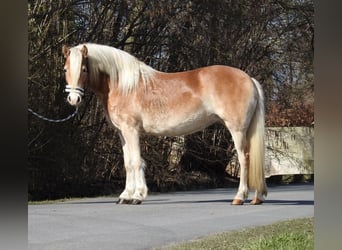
[(135, 190)]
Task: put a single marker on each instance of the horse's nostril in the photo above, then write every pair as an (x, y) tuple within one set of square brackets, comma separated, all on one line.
[(78, 99)]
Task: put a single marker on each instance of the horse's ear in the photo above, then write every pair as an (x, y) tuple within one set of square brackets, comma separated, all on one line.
[(65, 51), (84, 51)]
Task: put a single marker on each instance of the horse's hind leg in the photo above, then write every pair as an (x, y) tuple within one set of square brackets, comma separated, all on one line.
[(135, 190), (258, 199), (239, 138)]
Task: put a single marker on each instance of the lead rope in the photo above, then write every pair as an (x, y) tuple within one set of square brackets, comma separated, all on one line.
[(53, 120)]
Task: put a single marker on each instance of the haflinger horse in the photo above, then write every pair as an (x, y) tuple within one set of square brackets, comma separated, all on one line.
[(139, 99)]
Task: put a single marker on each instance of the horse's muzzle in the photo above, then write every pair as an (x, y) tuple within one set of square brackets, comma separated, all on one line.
[(74, 99), (75, 95)]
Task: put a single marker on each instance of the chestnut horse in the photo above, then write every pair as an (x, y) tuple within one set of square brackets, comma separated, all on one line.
[(139, 99)]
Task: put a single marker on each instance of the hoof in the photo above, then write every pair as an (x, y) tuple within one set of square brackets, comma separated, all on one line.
[(256, 201), (123, 201), (237, 202), (136, 202)]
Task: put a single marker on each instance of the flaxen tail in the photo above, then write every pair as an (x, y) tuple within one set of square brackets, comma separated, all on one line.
[(255, 137)]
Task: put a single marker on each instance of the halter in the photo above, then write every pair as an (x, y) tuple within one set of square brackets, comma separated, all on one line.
[(76, 90)]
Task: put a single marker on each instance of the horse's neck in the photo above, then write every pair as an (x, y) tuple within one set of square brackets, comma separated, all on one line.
[(100, 85)]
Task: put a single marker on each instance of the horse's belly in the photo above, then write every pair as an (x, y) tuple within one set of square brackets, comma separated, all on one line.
[(175, 125)]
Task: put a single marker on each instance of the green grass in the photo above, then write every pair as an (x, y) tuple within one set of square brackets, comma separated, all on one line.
[(287, 235)]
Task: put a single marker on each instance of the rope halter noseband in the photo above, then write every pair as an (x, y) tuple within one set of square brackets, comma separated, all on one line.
[(77, 90), (75, 95)]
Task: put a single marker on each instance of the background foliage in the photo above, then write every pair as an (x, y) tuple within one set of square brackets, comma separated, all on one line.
[(272, 40)]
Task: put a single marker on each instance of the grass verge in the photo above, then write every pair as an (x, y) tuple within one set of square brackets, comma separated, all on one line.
[(286, 235)]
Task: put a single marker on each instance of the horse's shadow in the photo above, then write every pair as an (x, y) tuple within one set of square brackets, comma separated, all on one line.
[(224, 201), (290, 202), (229, 201)]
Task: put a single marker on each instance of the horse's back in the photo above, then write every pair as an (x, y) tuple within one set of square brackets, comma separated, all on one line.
[(185, 102)]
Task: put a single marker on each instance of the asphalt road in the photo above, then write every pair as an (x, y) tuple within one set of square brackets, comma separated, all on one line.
[(98, 223)]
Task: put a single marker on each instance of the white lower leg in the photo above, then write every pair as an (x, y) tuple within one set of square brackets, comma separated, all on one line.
[(140, 192), (242, 193), (259, 196), (127, 194)]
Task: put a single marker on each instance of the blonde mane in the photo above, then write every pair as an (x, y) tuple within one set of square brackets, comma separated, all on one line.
[(125, 71)]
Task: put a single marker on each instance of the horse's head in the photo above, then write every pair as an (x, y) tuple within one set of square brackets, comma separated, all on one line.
[(76, 72)]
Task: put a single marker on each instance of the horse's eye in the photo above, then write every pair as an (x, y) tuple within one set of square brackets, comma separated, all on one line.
[(65, 70)]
